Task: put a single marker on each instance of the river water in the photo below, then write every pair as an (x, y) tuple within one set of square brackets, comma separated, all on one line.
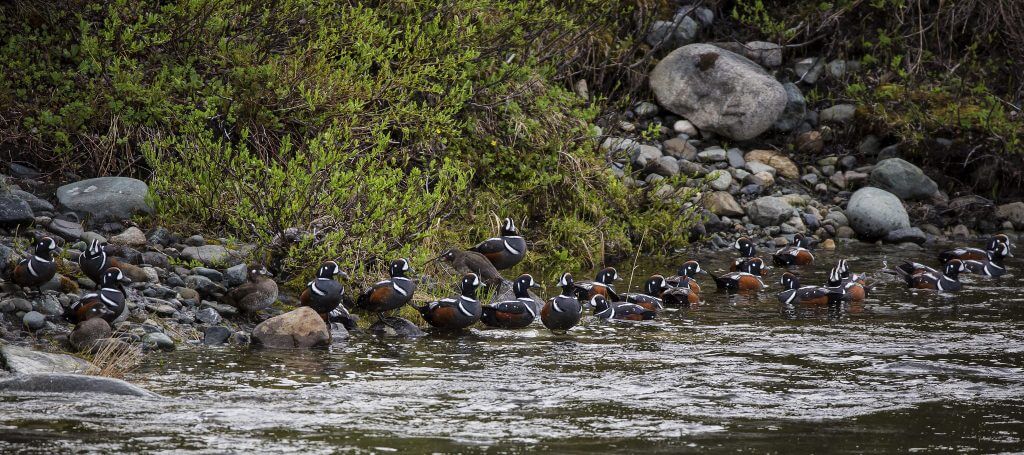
[(904, 371)]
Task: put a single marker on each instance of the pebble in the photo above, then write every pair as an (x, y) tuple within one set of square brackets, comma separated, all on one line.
[(216, 335), (158, 340), (34, 320), (828, 244), (208, 273), (721, 181), (208, 316), (195, 240), (132, 236), (712, 155), (685, 127)]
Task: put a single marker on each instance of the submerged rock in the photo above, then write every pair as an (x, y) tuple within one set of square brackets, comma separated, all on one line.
[(718, 90), (396, 328), (72, 383)]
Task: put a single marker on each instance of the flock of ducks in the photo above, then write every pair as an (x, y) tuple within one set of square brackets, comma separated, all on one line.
[(519, 308)]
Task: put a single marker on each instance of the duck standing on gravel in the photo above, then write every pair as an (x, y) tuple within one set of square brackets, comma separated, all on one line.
[(325, 294), (390, 294), (455, 313), (506, 250), (259, 292), (563, 311), (38, 269), (513, 314), (107, 303)]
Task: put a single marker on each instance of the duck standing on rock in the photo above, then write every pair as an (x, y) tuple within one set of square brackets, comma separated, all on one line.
[(606, 310), (325, 294), (513, 314), (38, 269), (602, 285), (563, 311), (455, 313), (506, 250), (259, 292), (108, 303), (390, 294), (466, 262), (794, 254)]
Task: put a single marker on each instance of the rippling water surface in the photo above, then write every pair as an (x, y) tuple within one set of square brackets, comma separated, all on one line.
[(904, 371)]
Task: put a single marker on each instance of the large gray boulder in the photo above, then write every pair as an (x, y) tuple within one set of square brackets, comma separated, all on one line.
[(769, 211), (105, 199), (903, 179), (718, 91), (874, 212), (72, 384), (299, 328), (14, 211)]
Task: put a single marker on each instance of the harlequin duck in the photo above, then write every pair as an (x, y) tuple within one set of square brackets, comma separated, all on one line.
[(513, 314), (804, 241), (602, 285), (472, 262), (258, 293), (604, 309), (685, 276), (977, 254), (38, 269), (923, 277), (739, 281), (748, 255), (391, 294), (504, 251), (455, 313), (794, 254), (107, 303), (324, 294), (854, 284), (793, 293), (991, 267), (753, 266), (563, 311), (651, 297)]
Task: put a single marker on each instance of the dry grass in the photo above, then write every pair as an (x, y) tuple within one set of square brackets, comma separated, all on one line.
[(115, 359)]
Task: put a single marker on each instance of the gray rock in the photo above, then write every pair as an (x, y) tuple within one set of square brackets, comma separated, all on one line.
[(208, 316), (396, 328), (299, 328), (19, 304), (68, 230), (646, 110), (712, 155), (20, 171), (616, 145), (156, 259), (160, 236), (809, 69), (222, 308), (236, 275), (840, 113), (87, 333), (1012, 212), (22, 360), (874, 212), (14, 211), (157, 340), (727, 94), (205, 286), (132, 236), (892, 151), (838, 218), (795, 111), (209, 255), (680, 148), (89, 236), (216, 335), (757, 167), (65, 384), (34, 202), (960, 232), (692, 169), (48, 305), (769, 211), (722, 203), (840, 68), (665, 166), (809, 179), (643, 155), (903, 179), (105, 199), (765, 53), (34, 320), (721, 181), (212, 274), (735, 158), (912, 235), (685, 127)]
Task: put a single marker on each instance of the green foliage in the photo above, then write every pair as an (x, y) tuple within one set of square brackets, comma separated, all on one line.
[(323, 130)]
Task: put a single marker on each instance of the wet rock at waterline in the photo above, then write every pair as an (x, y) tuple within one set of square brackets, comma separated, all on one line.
[(105, 199), (718, 91), (72, 384), (22, 360), (396, 328), (299, 328), (874, 212)]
